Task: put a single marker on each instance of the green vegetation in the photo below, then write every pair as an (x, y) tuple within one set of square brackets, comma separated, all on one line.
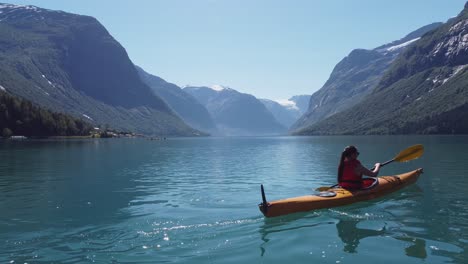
[(21, 117)]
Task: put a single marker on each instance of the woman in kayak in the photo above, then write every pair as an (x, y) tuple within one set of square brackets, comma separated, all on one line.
[(350, 170)]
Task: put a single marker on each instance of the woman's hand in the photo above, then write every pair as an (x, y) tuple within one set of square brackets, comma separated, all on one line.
[(377, 167)]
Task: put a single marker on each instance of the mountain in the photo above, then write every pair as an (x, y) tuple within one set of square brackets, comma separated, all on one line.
[(287, 112), (184, 104), (354, 77), (301, 102), (423, 92), (236, 113), (70, 63)]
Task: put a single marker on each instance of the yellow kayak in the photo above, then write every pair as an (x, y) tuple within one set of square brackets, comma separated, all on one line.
[(338, 196)]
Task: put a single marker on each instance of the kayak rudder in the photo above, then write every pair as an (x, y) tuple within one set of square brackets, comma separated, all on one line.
[(264, 204)]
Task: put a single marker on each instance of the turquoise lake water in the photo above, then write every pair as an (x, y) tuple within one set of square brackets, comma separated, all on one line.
[(194, 200)]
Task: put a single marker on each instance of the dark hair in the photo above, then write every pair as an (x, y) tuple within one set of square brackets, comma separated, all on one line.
[(348, 151)]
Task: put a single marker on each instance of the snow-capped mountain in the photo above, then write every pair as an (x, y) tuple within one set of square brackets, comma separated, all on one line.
[(287, 111), (236, 113)]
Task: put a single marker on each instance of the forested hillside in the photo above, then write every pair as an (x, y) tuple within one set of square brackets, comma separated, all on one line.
[(21, 117)]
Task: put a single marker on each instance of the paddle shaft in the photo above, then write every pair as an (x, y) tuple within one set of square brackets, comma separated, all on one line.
[(385, 163)]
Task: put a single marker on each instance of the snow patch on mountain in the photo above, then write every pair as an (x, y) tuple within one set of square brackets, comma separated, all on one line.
[(11, 6), (51, 84), (455, 71), (10, 11), (288, 104), (14, 12), (442, 79), (42, 90), (88, 117), (217, 87), (8, 8), (402, 45), (220, 88)]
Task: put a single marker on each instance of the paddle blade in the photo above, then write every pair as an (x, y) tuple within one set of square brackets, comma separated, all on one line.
[(410, 153)]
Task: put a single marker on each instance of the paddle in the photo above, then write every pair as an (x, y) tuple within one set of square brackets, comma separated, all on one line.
[(408, 154)]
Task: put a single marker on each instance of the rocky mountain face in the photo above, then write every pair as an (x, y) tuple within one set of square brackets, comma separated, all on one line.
[(236, 113), (70, 63), (354, 77), (287, 112), (184, 104), (424, 90)]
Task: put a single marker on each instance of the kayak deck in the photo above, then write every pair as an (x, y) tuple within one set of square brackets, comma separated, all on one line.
[(385, 185)]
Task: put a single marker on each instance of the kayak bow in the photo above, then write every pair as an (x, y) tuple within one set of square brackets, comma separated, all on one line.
[(337, 196)]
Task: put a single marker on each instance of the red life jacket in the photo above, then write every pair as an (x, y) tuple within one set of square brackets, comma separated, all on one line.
[(349, 179)]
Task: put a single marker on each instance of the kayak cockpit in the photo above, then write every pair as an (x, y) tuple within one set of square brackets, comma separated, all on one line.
[(369, 183)]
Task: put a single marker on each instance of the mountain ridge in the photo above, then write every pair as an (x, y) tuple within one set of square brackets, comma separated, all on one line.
[(183, 103), (236, 113), (423, 92), (70, 63), (353, 78)]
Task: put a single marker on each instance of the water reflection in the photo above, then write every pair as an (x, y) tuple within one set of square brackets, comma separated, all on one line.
[(351, 235), (347, 230), (285, 224), (417, 247)]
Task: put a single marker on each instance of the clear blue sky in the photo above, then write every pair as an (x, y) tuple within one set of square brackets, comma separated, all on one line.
[(269, 48)]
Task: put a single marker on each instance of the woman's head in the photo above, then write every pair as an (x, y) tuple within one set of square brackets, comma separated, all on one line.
[(349, 151)]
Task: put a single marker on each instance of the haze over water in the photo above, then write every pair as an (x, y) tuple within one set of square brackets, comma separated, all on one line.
[(194, 200)]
